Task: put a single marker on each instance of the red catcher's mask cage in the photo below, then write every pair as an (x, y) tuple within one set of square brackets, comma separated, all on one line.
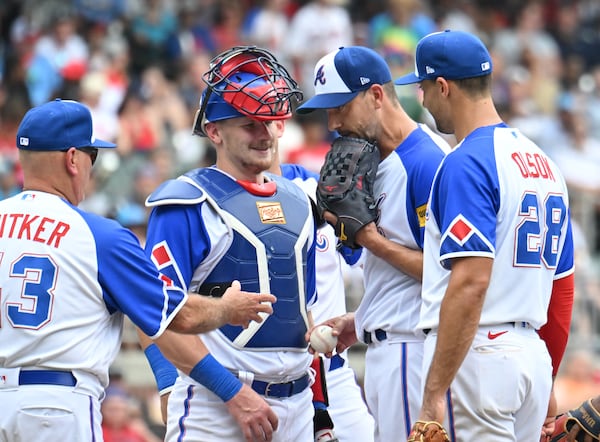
[(253, 82)]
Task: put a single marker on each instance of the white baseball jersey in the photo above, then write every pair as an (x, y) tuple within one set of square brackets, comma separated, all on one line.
[(66, 276), (517, 214), (498, 195), (392, 299), (329, 278), (347, 409)]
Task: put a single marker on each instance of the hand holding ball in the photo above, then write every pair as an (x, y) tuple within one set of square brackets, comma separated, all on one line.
[(321, 339)]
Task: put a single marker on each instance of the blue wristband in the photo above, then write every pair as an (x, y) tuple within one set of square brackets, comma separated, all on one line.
[(318, 405), (164, 372), (216, 378)]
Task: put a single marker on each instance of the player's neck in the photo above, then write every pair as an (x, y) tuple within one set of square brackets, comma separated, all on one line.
[(470, 117), (41, 186)]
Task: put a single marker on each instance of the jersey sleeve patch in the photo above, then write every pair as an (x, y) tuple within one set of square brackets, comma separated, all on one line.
[(422, 214), (463, 238)]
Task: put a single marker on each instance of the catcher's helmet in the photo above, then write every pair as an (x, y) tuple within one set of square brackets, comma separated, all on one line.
[(246, 81)]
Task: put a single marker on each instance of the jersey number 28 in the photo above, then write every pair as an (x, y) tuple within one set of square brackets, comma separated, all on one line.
[(538, 234)]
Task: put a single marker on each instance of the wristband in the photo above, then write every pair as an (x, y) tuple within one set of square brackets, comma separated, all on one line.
[(216, 378), (318, 405), (164, 372)]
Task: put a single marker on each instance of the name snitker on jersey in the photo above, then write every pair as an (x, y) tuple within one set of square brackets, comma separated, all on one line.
[(29, 227)]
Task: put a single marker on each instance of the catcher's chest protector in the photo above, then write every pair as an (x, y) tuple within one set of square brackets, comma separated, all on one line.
[(268, 254)]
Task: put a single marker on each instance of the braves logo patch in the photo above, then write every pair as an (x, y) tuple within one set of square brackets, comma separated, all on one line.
[(322, 243), (320, 75), (270, 213)]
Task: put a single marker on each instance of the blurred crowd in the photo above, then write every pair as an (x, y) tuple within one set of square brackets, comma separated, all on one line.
[(138, 64)]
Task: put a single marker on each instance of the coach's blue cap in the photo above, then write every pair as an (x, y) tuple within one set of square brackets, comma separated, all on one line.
[(450, 54), (342, 74), (58, 125)]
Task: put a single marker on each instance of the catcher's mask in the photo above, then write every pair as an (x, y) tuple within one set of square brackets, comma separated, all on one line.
[(246, 81)]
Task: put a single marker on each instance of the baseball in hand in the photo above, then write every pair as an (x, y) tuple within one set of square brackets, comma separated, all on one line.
[(322, 340)]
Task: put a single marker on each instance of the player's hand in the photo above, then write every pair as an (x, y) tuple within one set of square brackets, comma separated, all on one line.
[(361, 235), (243, 307), (254, 416), (330, 217), (343, 328), (549, 423), (433, 408)]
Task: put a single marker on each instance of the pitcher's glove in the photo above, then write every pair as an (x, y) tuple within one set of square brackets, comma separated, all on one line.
[(346, 186), (430, 431), (587, 419)]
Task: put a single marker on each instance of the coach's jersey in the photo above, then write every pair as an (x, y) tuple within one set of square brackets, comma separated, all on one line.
[(517, 213), (192, 234), (391, 300), (66, 277)]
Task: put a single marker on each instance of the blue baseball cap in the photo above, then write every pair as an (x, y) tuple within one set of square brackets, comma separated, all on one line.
[(342, 74), (450, 54), (58, 125)]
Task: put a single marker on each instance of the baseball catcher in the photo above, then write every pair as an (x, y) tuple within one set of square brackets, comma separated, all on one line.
[(346, 186), (581, 424)]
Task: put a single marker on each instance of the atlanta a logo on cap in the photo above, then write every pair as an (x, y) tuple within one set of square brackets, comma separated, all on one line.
[(320, 76)]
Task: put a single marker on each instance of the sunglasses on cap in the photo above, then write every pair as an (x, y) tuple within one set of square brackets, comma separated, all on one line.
[(91, 151)]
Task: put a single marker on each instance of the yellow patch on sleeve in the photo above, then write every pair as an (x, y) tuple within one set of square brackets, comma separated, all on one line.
[(421, 212)]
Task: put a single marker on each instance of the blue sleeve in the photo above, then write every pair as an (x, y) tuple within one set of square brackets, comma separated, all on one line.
[(465, 202), (291, 171), (566, 261), (421, 157), (129, 281), (350, 255), (177, 241)]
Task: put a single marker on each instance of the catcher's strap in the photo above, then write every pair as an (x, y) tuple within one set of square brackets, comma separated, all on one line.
[(588, 419), (428, 431)]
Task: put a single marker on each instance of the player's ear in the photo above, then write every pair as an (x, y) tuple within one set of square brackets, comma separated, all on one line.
[(279, 126), (213, 133), (70, 161), (377, 93)]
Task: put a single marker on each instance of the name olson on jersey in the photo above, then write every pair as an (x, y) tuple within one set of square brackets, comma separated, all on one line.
[(533, 165), (33, 228)]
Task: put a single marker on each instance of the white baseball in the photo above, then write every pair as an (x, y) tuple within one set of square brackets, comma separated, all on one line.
[(322, 340)]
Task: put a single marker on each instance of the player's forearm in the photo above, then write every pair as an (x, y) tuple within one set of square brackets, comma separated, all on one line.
[(408, 261), (183, 351), (200, 314), (459, 320)]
